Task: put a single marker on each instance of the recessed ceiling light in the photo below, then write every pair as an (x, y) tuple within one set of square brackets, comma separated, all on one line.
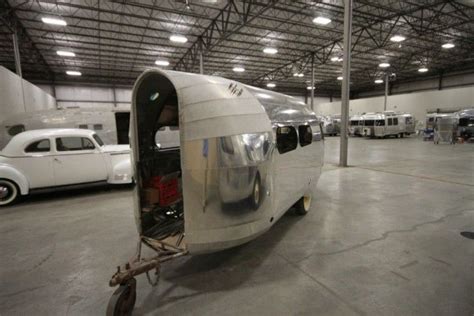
[(397, 38), (162, 63), (178, 38), (335, 58), (423, 69), (448, 45), (271, 85), (321, 20), (270, 50), (54, 21), (339, 78), (384, 65), (238, 69), (73, 73), (377, 81), (298, 74), (65, 53), (310, 88)]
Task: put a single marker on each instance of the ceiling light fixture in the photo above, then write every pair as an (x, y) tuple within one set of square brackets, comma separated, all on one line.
[(384, 65), (65, 53), (54, 21), (377, 81), (271, 85), (310, 88), (238, 69), (178, 38), (162, 63), (321, 20), (423, 69), (340, 78), (270, 50), (448, 45), (73, 73), (335, 58), (397, 38)]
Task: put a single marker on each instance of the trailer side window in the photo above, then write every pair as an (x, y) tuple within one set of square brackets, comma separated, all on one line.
[(390, 122), (287, 139), (380, 122), (98, 127), (395, 121), (83, 126), (305, 135)]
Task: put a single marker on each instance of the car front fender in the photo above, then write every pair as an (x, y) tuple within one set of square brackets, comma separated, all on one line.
[(121, 172), (10, 173)]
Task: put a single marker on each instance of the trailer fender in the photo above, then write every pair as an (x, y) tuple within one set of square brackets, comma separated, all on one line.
[(8, 172)]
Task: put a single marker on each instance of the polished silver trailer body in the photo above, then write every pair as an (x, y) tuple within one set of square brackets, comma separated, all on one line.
[(388, 123), (465, 121), (246, 156), (356, 125)]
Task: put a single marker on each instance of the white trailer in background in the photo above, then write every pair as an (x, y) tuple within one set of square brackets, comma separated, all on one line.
[(388, 123), (356, 125)]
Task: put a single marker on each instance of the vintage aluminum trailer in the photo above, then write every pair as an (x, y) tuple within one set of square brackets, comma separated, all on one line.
[(388, 123), (246, 156), (465, 121), (331, 124), (356, 125)]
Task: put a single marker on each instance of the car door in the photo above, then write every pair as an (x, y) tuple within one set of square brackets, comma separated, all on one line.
[(78, 160), (36, 163)]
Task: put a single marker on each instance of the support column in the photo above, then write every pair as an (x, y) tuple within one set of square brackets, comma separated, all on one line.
[(345, 82), (312, 82), (440, 82), (201, 62), (386, 93), (16, 52), (115, 96)]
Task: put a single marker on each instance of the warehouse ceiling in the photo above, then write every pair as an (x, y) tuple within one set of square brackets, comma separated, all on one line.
[(114, 41)]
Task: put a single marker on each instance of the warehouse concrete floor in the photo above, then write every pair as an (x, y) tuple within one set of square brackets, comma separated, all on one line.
[(383, 237)]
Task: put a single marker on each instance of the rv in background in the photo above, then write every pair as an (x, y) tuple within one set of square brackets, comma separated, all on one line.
[(356, 125), (388, 123), (465, 123), (111, 126), (331, 124)]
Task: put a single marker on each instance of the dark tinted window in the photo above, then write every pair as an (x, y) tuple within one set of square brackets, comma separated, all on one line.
[(369, 122), (287, 139), (73, 143), (305, 134), (16, 129), (390, 123), (380, 123), (40, 146), (83, 126), (395, 121), (466, 121)]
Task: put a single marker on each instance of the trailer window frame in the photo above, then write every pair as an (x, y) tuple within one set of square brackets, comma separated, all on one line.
[(305, 135), (286, 139)]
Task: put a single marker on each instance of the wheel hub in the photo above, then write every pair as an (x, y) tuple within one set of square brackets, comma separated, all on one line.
[(4, 192)]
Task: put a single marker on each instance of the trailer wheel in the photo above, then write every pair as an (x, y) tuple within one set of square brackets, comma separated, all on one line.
[(401, 135), (255, 197), (303, 205), (123, 300), (8, 192)]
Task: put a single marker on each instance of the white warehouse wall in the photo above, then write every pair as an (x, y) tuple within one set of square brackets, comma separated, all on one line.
[(418, 103), (19, 95)]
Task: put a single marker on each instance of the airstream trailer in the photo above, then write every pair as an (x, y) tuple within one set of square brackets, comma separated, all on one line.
[(356, 125), (331, 125), (246, 156), (388, 123), (466, 124)]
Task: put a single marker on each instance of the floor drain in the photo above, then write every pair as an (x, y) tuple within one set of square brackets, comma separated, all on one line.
[(469, 235)]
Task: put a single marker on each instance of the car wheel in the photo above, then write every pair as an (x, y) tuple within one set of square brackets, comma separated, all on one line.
[(8, 192), (303, 205), (255, 197)]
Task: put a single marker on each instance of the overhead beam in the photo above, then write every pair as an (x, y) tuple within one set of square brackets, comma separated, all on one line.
[(220, 29)]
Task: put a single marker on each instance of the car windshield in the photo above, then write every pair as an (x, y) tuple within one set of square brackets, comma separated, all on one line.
[(98, 140)]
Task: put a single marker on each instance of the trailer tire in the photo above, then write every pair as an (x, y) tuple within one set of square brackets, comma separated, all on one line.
[(256, 196), (123, 300), (9, 192), (303, 205), (401, 135)]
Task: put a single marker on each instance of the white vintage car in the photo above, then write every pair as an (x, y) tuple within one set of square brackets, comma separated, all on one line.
[(55, 158)]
